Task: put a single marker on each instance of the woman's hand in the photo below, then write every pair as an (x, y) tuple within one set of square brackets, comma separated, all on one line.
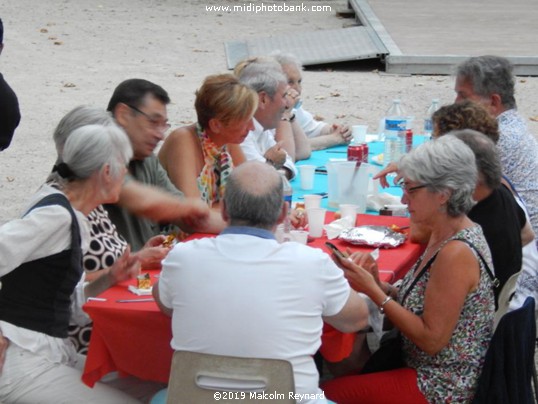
[(126, 267), (382, 175), (366, 261), (359, 278)]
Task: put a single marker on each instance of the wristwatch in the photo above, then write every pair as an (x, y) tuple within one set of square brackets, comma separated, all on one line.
[(290, 119)]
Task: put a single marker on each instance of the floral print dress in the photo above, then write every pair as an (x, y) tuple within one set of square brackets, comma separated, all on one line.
[(450, 376)]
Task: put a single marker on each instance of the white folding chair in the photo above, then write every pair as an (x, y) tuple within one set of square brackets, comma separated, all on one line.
[(196, 377)]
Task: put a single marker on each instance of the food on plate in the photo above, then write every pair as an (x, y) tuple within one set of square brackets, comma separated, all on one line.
[(143, 281)]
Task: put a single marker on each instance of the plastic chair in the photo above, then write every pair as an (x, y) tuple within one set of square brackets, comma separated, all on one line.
[(506, 294), (196, 377), (508, 367)]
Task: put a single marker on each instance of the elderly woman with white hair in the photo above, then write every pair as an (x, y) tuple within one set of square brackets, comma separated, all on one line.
[(43, 285), (445, 306)]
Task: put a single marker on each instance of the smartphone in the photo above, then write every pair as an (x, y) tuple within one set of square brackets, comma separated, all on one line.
[(335, 250)]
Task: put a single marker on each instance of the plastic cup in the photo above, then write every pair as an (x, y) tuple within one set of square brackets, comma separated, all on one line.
[(306, 173), (349, 210), (359, 133), (300, 236), (312, 201), (316, 220)]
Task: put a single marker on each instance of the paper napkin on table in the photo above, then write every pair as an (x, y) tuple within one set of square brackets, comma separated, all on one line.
[(139, 292), (378, 201), (336, 227)]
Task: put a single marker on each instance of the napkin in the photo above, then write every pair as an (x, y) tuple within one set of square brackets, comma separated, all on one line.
[(336, 227), (378, 201), (139, 292)]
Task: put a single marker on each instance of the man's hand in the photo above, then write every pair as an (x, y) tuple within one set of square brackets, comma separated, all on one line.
[(340, 133), (153, 253), (276, 155)]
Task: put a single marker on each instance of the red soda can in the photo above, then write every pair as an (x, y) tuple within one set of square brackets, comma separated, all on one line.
[(408, 140), (365, 152), (354, 153)]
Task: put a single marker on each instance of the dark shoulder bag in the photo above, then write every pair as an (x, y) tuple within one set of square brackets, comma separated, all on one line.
[(390, 355)]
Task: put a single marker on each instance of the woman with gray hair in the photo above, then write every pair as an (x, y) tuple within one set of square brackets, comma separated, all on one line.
[(445, 301), (43, 284), (106, 244)]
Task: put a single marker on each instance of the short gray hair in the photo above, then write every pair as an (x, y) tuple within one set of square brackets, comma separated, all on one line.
[(486, 155), (261, 74), (253, 196), (286, 59), (490, 75), (77, 117), (89, 148), (444, 165)]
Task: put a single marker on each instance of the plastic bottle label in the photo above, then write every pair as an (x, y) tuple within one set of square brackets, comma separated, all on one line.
[(395, 125)]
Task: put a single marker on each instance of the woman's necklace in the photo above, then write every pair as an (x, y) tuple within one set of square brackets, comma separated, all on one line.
[(431, 249)]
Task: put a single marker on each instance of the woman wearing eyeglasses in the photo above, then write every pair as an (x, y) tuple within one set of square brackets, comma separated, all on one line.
[(444, 308)]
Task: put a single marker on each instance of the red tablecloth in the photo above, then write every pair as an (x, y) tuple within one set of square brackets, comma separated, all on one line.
[(134, 338)]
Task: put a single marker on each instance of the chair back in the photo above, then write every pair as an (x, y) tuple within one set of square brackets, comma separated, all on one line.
[(507, 372), (196, 377), (503, 301)]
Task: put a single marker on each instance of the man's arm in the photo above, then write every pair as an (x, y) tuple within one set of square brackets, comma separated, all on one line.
[(155, 291), (293, 139), (353, 316)]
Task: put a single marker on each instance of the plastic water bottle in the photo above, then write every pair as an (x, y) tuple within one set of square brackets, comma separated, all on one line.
[(428, 122), (395, 128), (287, 191)]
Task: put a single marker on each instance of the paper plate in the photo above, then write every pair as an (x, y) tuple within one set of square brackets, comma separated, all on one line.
[(373, 236)]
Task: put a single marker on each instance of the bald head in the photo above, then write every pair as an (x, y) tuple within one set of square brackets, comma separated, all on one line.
[(253, 196)]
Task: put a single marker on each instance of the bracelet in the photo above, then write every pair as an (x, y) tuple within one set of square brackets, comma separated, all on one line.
[(383, 303)]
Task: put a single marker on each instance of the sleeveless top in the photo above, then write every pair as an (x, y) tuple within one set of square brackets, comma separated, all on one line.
[(217, 168), (37, 294), (450, 376)]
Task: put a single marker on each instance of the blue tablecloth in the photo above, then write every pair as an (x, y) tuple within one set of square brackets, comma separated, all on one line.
[(319, 159)]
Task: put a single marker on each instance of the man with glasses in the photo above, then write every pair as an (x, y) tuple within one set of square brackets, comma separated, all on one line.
[(148, 198)]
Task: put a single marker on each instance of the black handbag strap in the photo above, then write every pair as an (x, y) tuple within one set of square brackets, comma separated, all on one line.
[(417, 278), (493, 278)]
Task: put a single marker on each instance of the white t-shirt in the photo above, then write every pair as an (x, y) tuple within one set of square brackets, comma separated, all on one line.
[(258, 142), (243, 295), (310, 126)]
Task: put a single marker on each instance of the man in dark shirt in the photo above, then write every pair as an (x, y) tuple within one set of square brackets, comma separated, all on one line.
[(10, 115)]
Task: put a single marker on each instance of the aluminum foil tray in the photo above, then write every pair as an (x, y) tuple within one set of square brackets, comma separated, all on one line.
[(373, 236)]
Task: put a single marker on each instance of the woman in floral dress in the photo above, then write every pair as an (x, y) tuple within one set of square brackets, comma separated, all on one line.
[(445, 306)]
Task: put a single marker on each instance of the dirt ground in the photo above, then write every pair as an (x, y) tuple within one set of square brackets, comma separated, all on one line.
[(63, 53)]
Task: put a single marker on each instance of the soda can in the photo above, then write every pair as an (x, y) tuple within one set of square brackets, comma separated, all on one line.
[(408, 140), (365, 152), (355, 153)]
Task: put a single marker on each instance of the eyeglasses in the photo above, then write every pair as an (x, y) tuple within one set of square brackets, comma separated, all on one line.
[(155, 123), (410, 190)]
